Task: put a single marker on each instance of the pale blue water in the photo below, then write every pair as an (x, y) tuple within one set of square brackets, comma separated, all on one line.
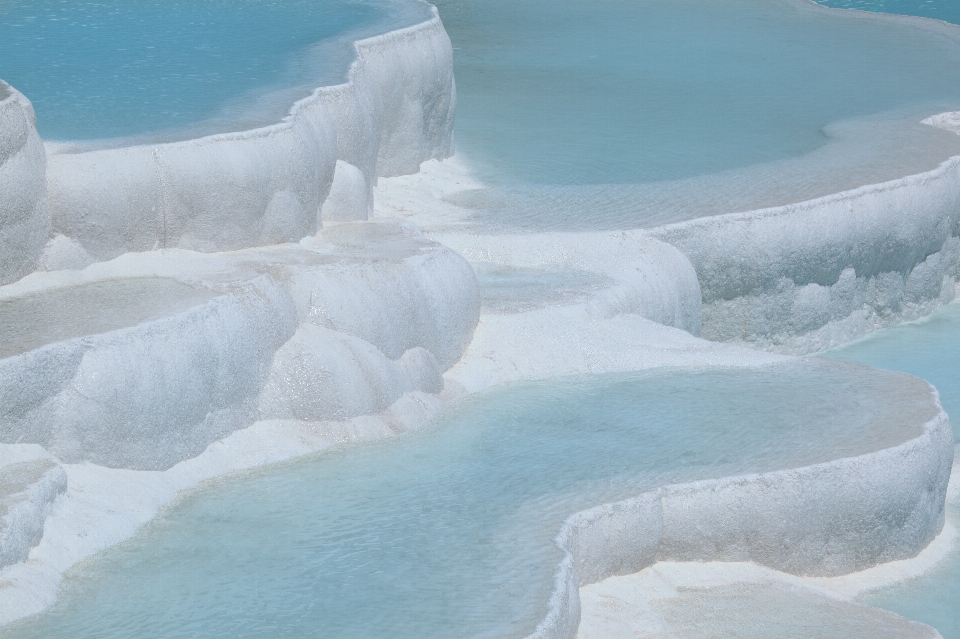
[(585, 114), (449, 531), (505, 289), (933, 598), (928, 349), (116, 68), (947, 10)]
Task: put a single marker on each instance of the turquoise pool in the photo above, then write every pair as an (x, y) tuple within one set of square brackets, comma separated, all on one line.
[(452, 527), (119, 68), (622, 114)]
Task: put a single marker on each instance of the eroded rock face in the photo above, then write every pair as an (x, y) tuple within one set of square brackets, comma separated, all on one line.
[(147, 361), (24, 216), (148, 394), (29, 483), (269, 185)]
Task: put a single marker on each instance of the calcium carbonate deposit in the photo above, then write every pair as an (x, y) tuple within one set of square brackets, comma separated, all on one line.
[(278, 358)]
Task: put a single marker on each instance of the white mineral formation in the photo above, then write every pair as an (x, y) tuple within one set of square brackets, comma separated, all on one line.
[(186, 315), (29, 483), (24, 216), (267, 185), (181, 345)]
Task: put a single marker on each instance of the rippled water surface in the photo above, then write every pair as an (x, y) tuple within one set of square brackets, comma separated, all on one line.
[(114, 68), (452, 527), (625, 113)]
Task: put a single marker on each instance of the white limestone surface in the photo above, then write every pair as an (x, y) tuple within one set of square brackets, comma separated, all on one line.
[(267, 185), (350, 198), (147, 395), (818, 521), (635, 605), (805, 277), (144, 361), (795, 279), (24, 216), (30, 481), (648, 277), (320, 375)]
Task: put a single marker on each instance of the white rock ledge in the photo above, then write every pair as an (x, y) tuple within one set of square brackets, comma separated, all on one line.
[(24, 216), (805, 277), (377, 303), (795, 279), (29, 483), (267, 185), (822, 520)]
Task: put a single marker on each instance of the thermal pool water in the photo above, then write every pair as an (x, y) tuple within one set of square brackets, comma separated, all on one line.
[(115, 69), (930, 349), (453, 527), (31, 321), (620, 114)]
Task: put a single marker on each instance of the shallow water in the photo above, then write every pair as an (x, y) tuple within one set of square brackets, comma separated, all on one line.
[(116, 68), (31, 321), (689, 107), (776, 611), (929, 349), (933, 598), (360, 543), (505, 289)]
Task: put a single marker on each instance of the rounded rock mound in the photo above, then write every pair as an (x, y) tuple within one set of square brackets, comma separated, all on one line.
[(24, 216)]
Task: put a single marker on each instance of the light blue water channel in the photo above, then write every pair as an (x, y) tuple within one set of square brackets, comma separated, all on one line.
[(116, 68), (449, 531), (928, 349), (585, 114)]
